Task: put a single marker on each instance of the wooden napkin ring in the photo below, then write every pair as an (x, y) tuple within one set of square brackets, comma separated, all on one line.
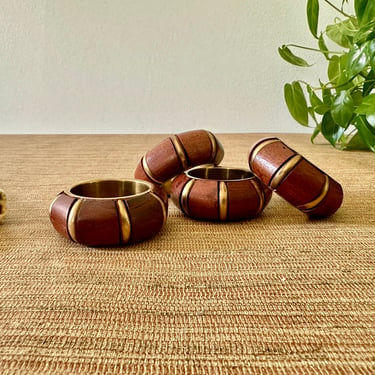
[(3, 204), (219, 194), (178, 153), (294, 178), (109, 212)]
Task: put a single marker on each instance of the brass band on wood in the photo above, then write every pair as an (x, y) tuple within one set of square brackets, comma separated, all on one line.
[(109, 212), (179, 148), (315, 202), (148, 172), (177, 153), (72, 217), (283, 171), (294, 178), (223, 200), (219, 194), (125, 223)]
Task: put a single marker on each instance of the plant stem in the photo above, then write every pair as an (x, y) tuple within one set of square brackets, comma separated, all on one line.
[(315, 49), (338, 9)]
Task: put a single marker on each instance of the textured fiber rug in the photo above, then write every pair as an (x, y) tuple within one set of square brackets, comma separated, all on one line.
[(279, 294)]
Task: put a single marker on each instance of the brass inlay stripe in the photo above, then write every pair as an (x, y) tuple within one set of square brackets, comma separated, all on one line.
[(213, 146), (180, 151), (316, 201), (256, 150), (223, 200), (283, 171), (184, 196), (162, 206), (148, 171), (260, 195), (72, 218), (125, 223)]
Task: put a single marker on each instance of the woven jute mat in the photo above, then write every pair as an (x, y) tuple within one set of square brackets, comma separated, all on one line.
[(279, 294)]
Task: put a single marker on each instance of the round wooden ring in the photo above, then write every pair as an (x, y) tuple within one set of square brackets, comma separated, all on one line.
[(109, 212), (294, 178), (3, 204), (177, 154), (219, 194)]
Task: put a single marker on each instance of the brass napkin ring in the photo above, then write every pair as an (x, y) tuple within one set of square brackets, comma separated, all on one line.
[(109, 212), (219, 194), (294, 178), (178, 153)]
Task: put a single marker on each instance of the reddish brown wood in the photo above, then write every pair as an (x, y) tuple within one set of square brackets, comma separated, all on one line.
[(203, 200), (199, 149), (146, 216), (96, 221), (176, 154), (199, 198), (59, 212), (244, 199), (163, 161), (269, 159), (305, 186)]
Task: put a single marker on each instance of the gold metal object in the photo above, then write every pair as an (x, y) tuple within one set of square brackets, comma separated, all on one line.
[(184, 198), (216, 156), (72, 218), (310, 205), (210, 172), (223, 200), (125, 224), (180, 151), (110, 189), (283, 171), (148, 171)]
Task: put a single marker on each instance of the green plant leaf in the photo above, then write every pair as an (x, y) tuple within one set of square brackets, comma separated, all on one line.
[(342, 109), (315, 133), (365, 33), (366, 131), (330, 130), (356, 143), (316, 103), (367, 107), (364, 10), (337, 70), (326, 94), (369, 83), (357, 59), (323, 47), (296, 102), (371, 53), (313, 16), (291, 58), (341, 33)]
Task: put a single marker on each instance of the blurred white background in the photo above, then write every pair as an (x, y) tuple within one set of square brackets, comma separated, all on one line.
[(153, 66)]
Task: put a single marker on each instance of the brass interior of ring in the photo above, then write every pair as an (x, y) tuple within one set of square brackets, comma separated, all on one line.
[(219, 173), (110, 188)]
